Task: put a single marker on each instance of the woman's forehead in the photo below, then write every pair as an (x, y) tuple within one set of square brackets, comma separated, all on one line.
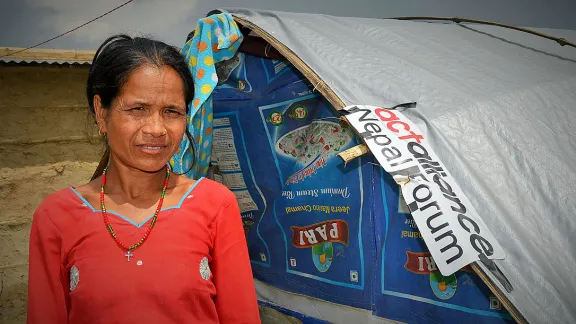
[(150, 83), (148, 76)]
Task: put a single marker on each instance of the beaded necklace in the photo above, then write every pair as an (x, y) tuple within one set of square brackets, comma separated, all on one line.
[(129, 250)]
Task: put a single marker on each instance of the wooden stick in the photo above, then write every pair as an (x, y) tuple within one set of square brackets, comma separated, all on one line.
[(354, 152), (514, 312)]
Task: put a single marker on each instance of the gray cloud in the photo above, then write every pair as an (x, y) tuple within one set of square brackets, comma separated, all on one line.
[(27, 22), (166, 20)]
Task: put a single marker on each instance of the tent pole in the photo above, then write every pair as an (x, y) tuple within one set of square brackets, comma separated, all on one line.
[(514, 312)]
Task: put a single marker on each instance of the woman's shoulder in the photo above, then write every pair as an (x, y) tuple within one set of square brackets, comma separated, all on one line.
[(55, 204), (211, 191), (216, 188), (59, 197), (215, 185)]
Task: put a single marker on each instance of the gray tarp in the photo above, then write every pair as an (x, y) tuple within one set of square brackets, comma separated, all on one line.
[(498, 107)]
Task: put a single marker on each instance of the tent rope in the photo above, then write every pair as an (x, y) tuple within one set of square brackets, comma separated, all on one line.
[(266, 49), (561, 41), (316, 86)]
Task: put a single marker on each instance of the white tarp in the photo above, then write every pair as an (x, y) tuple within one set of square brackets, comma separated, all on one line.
[(497, 106)]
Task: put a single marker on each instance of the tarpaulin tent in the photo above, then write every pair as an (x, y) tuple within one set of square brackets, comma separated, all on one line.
[(496, 105)]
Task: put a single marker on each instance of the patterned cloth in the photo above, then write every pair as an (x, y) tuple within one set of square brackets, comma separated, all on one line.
[(216, 39)]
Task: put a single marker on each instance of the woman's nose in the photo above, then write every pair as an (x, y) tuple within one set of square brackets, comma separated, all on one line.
[(154, 126)]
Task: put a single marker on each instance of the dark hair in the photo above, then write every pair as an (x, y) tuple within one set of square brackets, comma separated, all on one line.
[(120, 55)]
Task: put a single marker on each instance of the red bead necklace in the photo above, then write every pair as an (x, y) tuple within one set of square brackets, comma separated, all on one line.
[(129, 250)]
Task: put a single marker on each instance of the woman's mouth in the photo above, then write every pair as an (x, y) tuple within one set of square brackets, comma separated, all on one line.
[(152, 149)]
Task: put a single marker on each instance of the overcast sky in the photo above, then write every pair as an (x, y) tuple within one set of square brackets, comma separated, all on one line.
[(26, 22)]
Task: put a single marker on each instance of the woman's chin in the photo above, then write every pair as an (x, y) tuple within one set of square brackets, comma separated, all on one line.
[(151, 165)]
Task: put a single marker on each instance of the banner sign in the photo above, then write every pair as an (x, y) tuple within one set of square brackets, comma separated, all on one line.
[(450, 226)]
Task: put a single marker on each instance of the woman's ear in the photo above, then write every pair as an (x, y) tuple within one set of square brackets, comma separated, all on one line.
[(100, 113)]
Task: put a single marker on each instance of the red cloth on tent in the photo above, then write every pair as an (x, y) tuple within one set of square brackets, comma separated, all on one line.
[(194, 267)]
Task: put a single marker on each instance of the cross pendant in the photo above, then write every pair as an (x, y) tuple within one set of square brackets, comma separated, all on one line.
[(128, 255)]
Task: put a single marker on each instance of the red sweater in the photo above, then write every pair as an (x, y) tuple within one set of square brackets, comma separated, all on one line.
[(194, 267)]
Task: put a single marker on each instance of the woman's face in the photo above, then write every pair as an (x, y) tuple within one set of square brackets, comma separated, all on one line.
[(147, 120)]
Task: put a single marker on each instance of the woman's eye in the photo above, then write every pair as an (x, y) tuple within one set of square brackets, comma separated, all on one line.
[(174, 112)]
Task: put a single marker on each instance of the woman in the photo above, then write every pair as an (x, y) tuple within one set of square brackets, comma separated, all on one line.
[(140, 244)]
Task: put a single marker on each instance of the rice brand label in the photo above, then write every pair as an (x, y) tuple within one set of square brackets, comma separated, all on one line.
[(308, 171), (315, 234), (453, 231), (315, 209), (276, 118)]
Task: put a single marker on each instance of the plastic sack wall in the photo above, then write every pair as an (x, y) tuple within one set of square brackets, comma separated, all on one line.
[(315, 226)]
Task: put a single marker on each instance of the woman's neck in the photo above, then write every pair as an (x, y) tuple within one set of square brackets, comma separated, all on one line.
[(130, 182)]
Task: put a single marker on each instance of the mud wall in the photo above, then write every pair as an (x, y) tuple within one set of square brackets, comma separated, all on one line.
[(44, 147)]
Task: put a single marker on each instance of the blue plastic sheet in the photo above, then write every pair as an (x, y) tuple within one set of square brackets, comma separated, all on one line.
[(320, 228)]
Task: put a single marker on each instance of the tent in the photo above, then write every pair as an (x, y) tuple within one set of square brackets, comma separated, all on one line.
[(333, 241)]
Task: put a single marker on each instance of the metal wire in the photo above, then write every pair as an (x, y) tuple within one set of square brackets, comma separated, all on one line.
[(68, 32)]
